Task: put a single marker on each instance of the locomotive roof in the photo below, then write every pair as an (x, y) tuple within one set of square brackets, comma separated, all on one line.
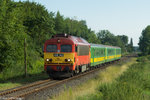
[(79, 39), (76, 40), (101, 45)]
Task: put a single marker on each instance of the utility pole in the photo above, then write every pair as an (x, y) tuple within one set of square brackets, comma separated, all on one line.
[(25, 57)]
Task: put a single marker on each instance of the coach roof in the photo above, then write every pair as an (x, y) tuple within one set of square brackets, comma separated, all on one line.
[(101, 45)]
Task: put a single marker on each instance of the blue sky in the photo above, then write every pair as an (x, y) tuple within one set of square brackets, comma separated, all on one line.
[(128, 17)]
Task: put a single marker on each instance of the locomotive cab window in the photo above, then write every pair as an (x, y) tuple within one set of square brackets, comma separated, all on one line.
[(76, 48), (66, 48), (51, 48)]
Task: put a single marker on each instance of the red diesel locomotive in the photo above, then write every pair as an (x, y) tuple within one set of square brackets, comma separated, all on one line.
[(65, 55)]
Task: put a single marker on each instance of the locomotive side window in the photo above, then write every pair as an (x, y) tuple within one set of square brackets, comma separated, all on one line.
[(66, 48), (83, 50), (76, 49), (51, 48)]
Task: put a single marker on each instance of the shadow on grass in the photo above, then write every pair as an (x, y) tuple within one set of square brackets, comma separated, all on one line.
[(24, 80)]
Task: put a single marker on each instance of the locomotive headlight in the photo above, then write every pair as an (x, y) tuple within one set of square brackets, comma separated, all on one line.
[(47, 59), (69, 59)]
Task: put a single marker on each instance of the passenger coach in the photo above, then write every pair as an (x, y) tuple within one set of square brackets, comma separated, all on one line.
[(101, 54)]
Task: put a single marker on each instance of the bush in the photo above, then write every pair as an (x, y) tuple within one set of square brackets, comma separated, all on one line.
[(142, 59), (121, 91)]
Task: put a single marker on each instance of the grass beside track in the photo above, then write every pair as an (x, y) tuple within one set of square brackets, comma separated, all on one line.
[(19, 81), (91, 89), (13, 77)]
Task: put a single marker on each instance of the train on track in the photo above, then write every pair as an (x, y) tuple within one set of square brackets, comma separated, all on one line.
[(66, 55)]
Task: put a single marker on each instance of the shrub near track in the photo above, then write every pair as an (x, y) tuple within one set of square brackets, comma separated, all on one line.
[(134, 84)]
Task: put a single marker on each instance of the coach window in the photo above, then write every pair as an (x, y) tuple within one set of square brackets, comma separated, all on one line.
[(51, 48), (66, 48)]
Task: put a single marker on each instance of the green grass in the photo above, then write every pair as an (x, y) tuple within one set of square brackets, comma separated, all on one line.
[(8, 85), (21, 80)]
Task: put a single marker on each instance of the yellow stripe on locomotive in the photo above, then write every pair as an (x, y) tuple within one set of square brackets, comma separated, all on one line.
[(59, 58)]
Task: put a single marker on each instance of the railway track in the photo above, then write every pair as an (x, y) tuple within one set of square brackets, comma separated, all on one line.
[(18, 92), (23, 91)]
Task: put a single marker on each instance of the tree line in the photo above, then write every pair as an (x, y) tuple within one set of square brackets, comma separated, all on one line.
[(144, 41), (30, 20)]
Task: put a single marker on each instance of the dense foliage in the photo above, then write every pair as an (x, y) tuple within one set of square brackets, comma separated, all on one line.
[(19, 20), (144, 42)]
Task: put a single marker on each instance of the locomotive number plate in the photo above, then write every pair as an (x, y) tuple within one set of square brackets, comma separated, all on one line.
[(58, 55), (58, 59)]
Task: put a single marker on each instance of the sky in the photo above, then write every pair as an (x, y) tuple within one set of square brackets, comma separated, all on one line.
[(120, 17)]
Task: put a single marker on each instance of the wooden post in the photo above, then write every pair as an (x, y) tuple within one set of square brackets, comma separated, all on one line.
[(25, 57)]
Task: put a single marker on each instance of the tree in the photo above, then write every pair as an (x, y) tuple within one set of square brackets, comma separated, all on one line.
[(92, 38), (11, 34), (105, 37), (131, 42), (124, 39), (144, 41), (130, 46), (59, 23)]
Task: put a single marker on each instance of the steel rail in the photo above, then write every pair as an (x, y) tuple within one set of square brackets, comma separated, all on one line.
[(23, 87)]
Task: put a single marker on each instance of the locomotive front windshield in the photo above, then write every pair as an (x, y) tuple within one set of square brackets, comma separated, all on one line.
[(51, 48), (66, 48)]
